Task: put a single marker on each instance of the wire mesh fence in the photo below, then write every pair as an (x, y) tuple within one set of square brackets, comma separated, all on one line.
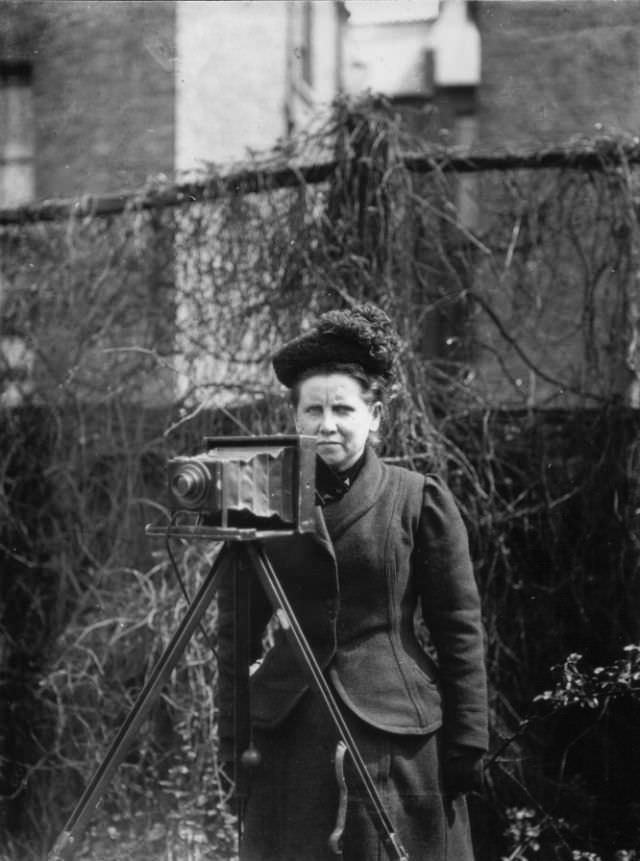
[(131, 330)]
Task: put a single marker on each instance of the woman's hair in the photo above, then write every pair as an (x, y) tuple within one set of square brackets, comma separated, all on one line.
[(373, 386)]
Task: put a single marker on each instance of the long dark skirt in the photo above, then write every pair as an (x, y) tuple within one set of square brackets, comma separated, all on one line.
[(293, 797)]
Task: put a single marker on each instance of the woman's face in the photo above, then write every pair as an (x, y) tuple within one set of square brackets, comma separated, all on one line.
[(332, 408)]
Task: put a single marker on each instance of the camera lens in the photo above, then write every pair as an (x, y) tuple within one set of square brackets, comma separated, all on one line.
[(190, 484)]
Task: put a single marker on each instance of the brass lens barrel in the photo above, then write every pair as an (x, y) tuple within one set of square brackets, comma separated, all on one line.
[(190, 484)]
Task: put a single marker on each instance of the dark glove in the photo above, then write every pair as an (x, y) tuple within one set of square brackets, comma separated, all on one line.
[(463, 772)]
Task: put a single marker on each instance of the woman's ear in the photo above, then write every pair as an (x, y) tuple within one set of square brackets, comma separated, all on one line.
[(294, 417), (376, 416)]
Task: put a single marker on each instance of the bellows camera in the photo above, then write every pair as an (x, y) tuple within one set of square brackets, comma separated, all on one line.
[(247, 482)]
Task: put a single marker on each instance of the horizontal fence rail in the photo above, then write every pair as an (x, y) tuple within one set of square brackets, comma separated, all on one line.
[(248, 181)]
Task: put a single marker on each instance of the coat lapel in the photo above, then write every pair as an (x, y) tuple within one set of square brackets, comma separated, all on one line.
[(340, 515), (321, 535)]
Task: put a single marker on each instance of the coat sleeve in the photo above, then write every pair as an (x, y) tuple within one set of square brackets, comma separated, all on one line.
[(452, 613)]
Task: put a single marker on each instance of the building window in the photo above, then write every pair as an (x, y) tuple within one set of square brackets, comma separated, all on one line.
[(306, 43), (17, 134)]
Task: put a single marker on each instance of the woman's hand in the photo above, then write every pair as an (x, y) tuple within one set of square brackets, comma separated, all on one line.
[(463, 772)]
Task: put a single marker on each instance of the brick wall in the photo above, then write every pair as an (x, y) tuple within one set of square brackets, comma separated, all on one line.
[(104, 95), (553, 69)]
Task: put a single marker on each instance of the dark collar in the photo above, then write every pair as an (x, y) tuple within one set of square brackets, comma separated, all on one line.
[(332, 485)]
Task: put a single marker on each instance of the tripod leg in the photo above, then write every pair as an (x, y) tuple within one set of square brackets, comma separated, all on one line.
[(64, 845), (241, 657), (302, 649)]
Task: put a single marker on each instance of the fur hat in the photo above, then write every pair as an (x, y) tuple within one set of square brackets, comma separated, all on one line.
[(363, 335)]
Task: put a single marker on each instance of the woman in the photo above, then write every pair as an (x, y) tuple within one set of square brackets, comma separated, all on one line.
[(388, 541)]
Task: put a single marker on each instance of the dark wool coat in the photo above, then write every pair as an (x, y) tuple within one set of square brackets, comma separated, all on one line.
[(395, 542)]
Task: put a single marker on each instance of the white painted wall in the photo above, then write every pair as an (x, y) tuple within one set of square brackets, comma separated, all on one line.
[(384, 11), (230, 79), (311, 104), (388, 58), (387, 44)]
